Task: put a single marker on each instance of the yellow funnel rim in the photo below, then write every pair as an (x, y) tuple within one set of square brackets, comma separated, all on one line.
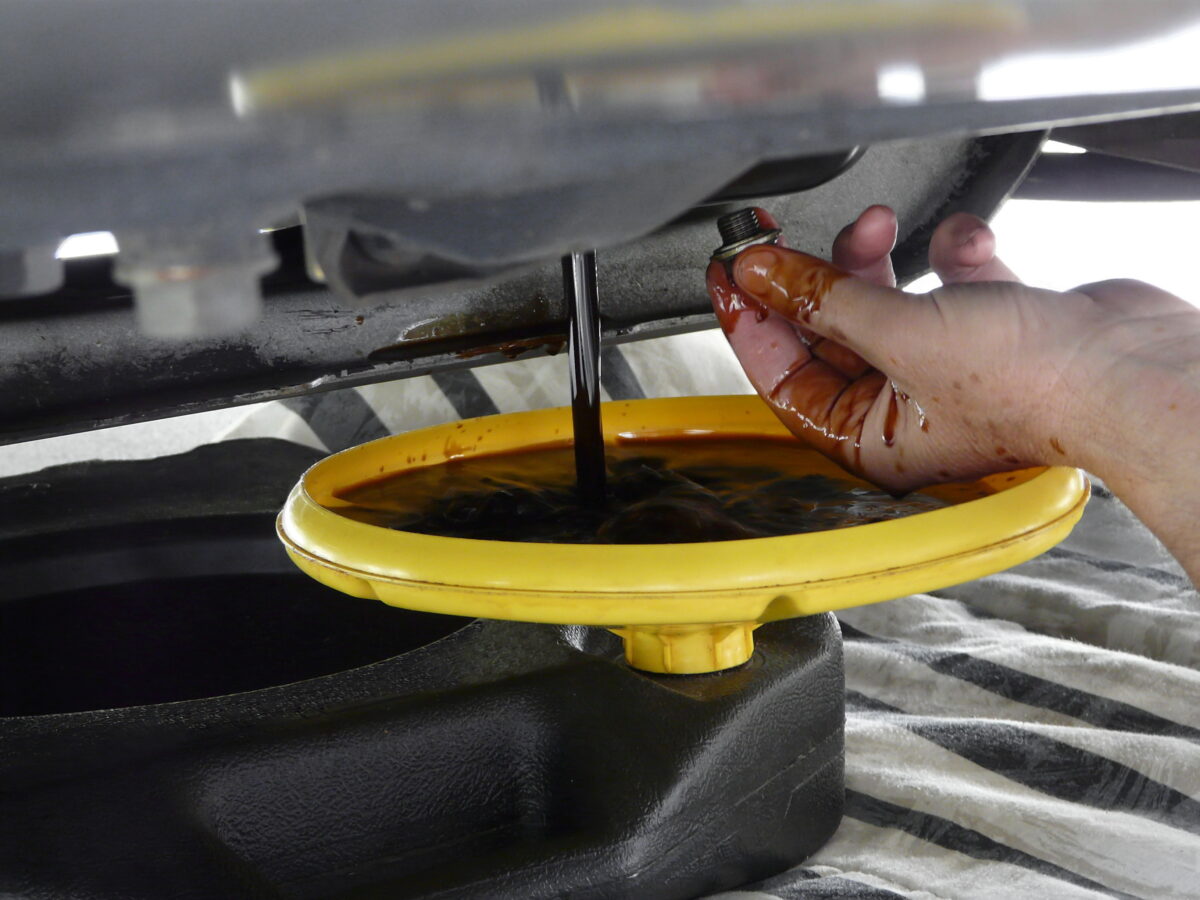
[(744, 581)]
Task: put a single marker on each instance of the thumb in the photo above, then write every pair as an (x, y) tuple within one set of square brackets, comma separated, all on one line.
[(866, 317)]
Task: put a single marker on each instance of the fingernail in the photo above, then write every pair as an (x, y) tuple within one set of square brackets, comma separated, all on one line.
[(754, 270), (970, 237)]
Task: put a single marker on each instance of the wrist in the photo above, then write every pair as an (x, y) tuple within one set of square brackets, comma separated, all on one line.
[(1129, 391), (1137, 423), (1136, 430)]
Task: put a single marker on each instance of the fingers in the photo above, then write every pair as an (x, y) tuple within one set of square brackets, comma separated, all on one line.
[(817, 387), (863, 248), (868, 318), (766, 344), (845, 360), (963, 248)]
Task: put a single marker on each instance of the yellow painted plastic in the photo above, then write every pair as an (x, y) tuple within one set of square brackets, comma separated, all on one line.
[(637, 589), (688, 649)]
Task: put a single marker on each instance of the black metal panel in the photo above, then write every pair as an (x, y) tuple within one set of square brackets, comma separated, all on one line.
[(1098, 177), (786, 176), (74, 360), (1172, 140)]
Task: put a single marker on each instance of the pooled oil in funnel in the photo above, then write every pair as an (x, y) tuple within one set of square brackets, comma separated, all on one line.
[(659, 492)]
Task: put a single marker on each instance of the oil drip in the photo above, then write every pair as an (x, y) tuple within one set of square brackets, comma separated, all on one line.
[(583, 352)]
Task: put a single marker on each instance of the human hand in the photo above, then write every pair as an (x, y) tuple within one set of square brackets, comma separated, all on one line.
[(981, 375)]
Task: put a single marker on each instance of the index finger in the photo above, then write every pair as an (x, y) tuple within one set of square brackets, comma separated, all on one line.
[(812, 396), (854, 312), (765, 343)]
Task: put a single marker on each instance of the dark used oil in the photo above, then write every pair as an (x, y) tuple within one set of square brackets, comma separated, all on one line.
[(583, 355), (659, 491)]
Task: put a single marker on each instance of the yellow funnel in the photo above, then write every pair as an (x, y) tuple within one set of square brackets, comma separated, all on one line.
[(680, 608)]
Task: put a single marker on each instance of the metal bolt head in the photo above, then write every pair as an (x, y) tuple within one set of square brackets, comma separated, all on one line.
[(207, 287), (740, 230), (177, 303), (30, 271)]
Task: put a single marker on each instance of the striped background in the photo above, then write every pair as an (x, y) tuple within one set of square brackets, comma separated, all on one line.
[(1031, 734)]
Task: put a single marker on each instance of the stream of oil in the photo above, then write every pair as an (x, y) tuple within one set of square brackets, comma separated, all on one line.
[(661, 491), (583, 355)]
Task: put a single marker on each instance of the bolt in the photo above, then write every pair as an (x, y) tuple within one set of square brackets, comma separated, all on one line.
[(737, 226), (30, 271), (740, 230), (195, 284)]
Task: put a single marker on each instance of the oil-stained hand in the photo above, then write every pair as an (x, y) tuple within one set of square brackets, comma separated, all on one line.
[(978, 376)]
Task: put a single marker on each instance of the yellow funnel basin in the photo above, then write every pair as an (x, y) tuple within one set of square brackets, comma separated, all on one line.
[(682, 608)]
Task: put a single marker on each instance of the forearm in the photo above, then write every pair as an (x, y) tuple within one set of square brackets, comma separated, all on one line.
[(1168, 512), (1141, 439)]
